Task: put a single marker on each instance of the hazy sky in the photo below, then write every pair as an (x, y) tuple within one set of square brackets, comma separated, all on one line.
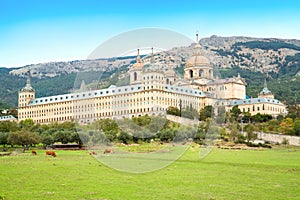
[(34, 31)]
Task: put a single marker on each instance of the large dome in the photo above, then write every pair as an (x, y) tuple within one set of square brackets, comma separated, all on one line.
[(198, 60)]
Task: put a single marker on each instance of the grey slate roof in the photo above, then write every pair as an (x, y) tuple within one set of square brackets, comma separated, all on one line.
[(7, 118), (255, 101)]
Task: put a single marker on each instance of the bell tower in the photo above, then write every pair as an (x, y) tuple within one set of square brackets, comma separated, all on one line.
[(26, 94), (198, 68), (135, 70)]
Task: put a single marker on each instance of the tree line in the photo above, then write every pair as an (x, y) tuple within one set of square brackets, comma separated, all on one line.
[(216, 124), (142, 129), (289, 124)]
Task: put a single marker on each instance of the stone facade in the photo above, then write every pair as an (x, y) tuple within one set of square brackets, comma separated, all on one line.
[(149, 92)]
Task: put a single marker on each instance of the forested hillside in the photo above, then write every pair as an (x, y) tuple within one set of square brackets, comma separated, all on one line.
[(65, 83)]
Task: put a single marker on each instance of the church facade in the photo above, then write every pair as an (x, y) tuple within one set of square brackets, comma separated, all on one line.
[(151, 91)]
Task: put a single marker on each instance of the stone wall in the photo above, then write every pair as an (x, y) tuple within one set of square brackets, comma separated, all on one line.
[(181, 120), (274, 138)]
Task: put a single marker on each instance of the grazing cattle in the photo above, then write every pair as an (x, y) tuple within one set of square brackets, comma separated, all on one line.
[(33, 152), (108, 151), (93, 153), (51, 153)]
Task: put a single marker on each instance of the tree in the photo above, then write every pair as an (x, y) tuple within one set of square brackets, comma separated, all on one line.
[(286, 126), (108, 125), (166, 135), (273, 125), (63, 136), (47, 139), (8, 126), (256, 118), (111, 135), (26, 124), (297, 127), (235, 112), (234, 132), (125, 137), (246, 117), (221, 117), (280, 118), (206, 112), (249, 128), (293, 112), (171, 110), (3, 140), (78, 139), (24, 138), (200, 135), (261, 117), (189, 113)]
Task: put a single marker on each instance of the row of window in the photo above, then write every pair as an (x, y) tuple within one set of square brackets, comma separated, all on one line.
[(83, 95), (69, 97), (258, 100), (25, 96), (94, 115), (184, 90), (263, 107)]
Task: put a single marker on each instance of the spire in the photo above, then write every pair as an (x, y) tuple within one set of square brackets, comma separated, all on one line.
[(28, 87), (28, 82), (197, 47), (170, 64), (265, 84), (170, 71), (265, 89), (138, 64), (152, 56), (138, 57)]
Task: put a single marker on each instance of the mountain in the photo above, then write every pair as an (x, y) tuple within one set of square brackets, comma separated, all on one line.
[(53, 69), (253, 58)]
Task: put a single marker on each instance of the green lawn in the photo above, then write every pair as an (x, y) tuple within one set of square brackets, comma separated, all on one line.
[(223, 174)]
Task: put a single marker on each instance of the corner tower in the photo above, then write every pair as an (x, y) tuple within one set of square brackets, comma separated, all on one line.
[(198, 67), (26, 94), (170, 75)]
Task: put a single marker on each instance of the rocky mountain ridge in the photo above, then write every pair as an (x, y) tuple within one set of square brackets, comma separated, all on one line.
[(255, 54)]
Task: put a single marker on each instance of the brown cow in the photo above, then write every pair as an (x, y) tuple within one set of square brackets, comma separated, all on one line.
[(33, 152), (93, 153), (108, 151), (51, 153)]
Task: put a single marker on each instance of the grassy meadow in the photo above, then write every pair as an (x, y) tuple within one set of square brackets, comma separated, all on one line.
[(223, 174)]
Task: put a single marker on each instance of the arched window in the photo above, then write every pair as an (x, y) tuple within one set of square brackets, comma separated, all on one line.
[(167, 81), (191, 73), (200, 72), (135, 76)]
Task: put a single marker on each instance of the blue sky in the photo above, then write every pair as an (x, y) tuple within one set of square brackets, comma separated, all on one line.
[(34, 31)]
